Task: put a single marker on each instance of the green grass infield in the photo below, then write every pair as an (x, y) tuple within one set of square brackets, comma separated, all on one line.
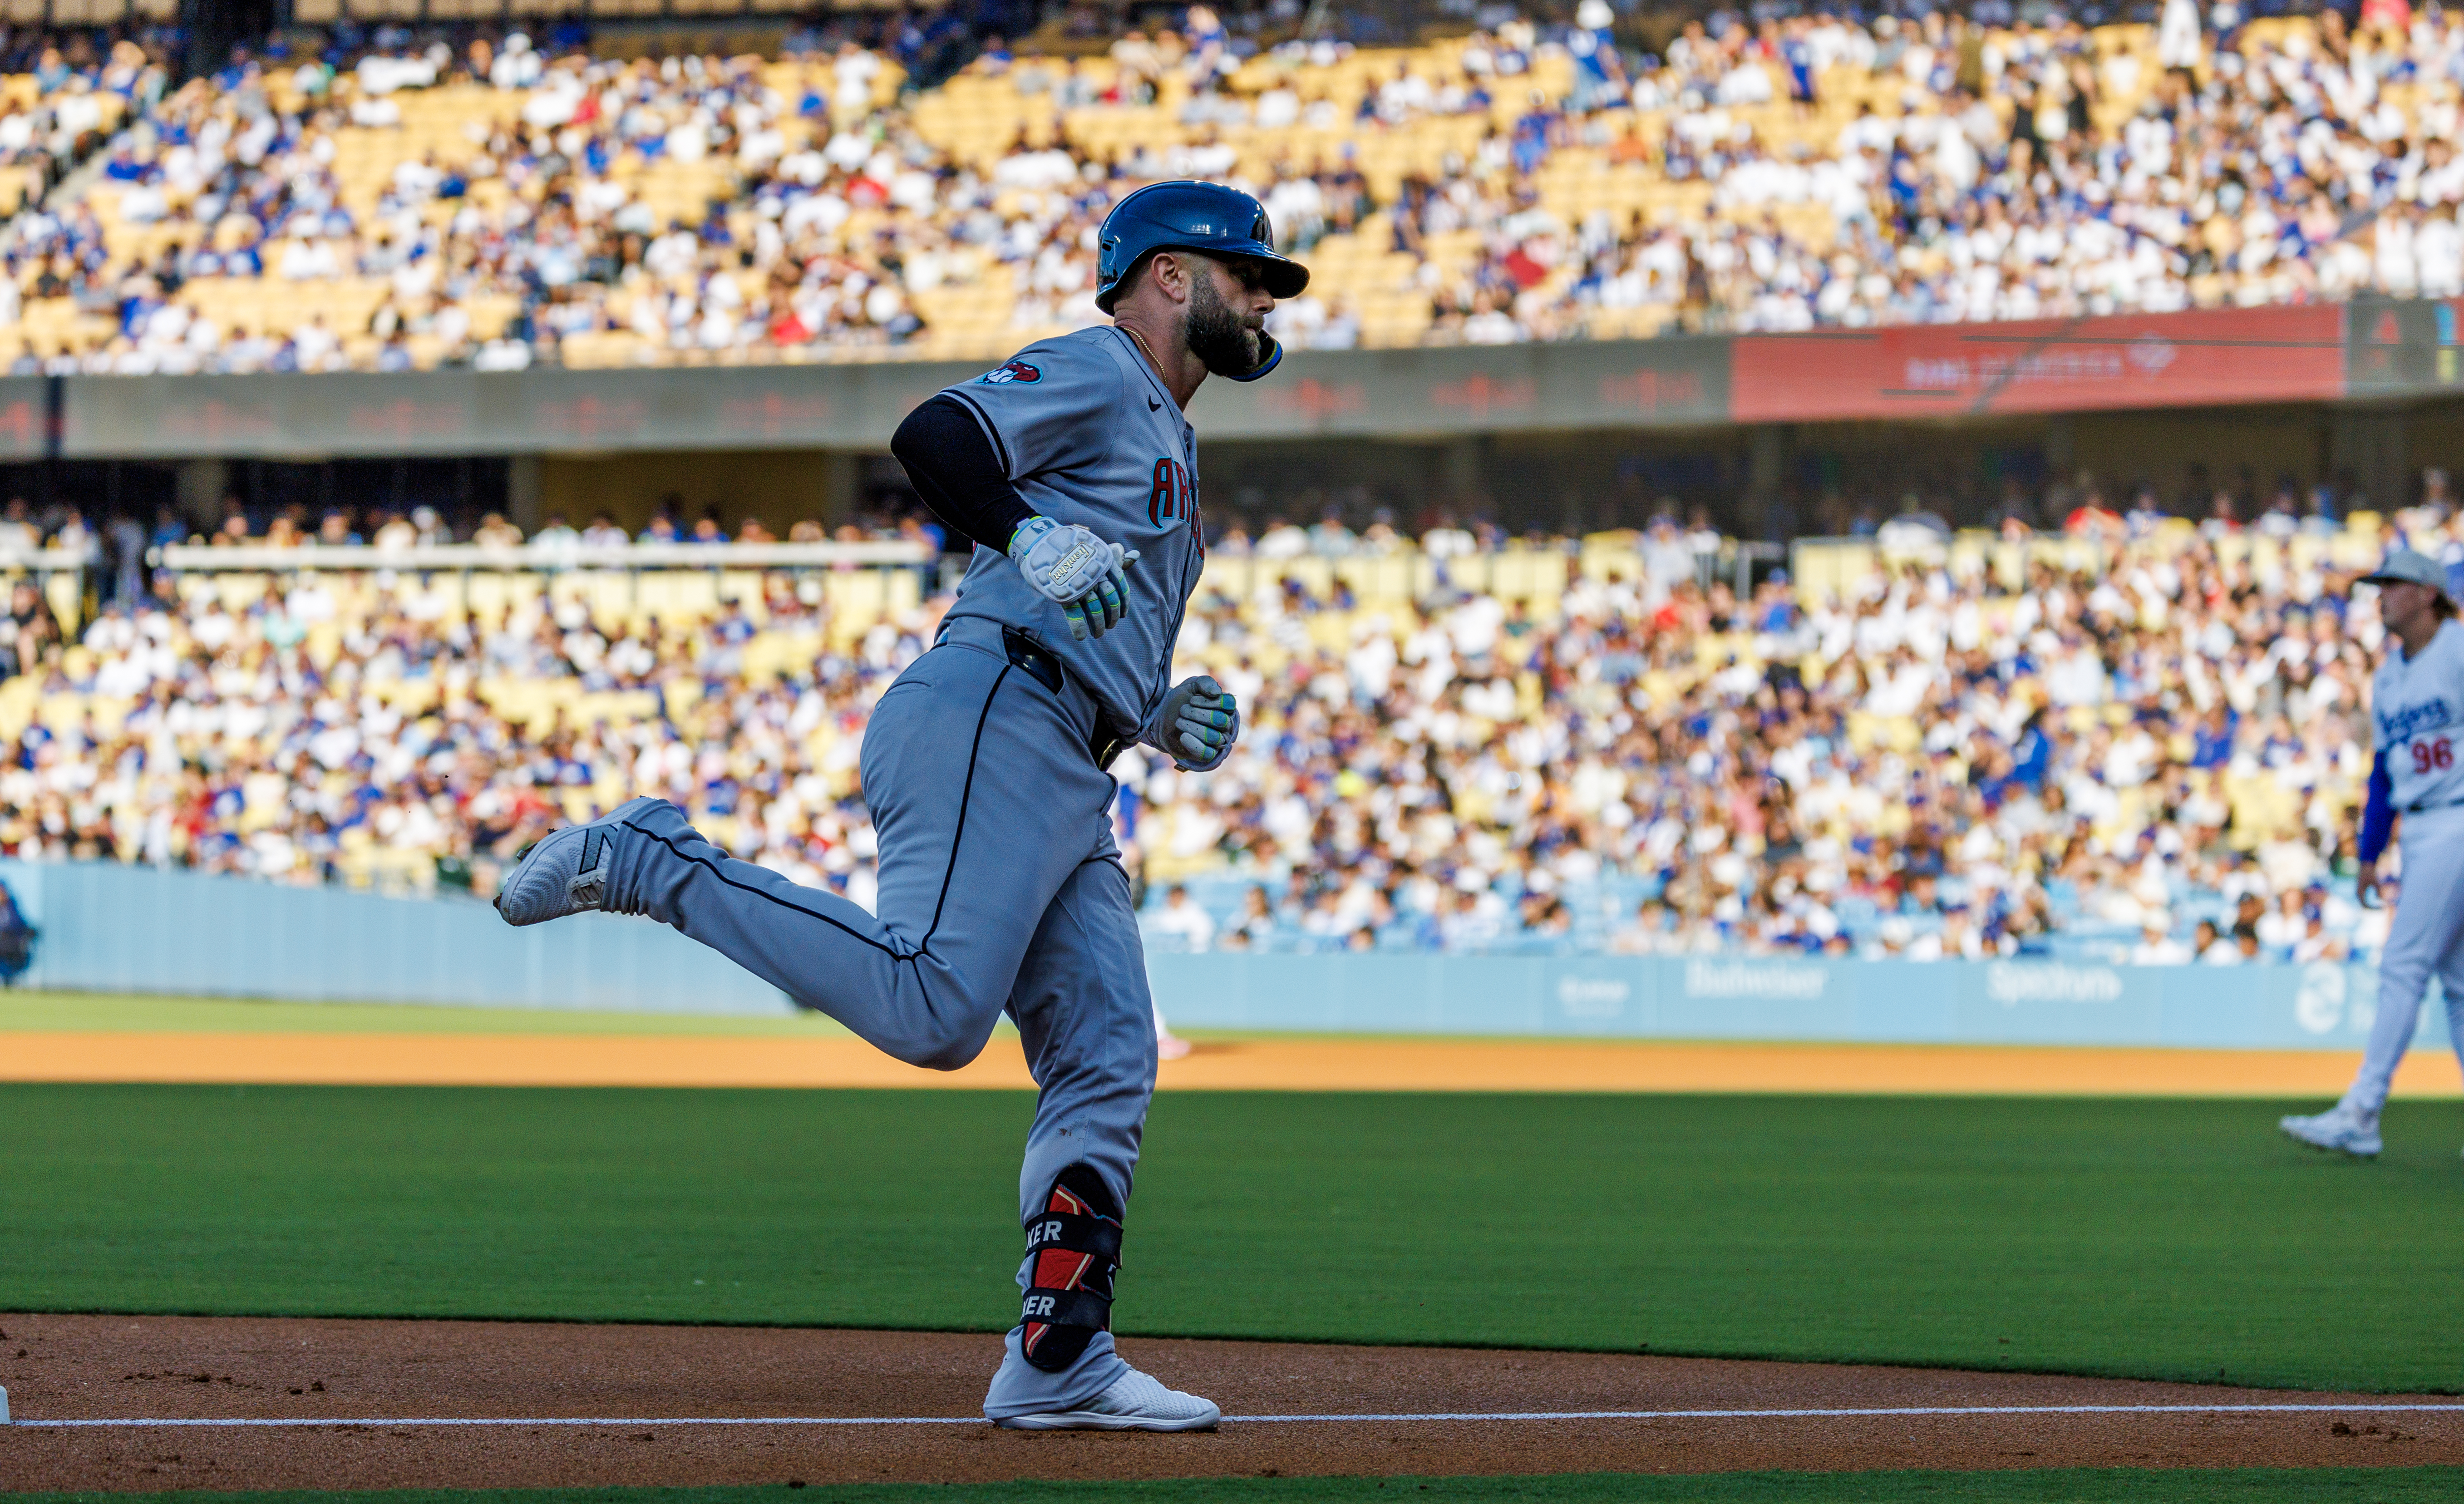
[(2050, 1486), (2162, 1239)]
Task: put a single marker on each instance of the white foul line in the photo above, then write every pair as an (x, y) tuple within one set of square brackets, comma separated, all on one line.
[(595, 1420), (2354, 1407)]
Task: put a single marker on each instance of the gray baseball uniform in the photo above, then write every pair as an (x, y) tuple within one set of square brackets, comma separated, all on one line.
[(1000, 887), (1090, 435)]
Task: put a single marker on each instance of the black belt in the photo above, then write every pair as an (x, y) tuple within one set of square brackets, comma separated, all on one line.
[(1025, 653)]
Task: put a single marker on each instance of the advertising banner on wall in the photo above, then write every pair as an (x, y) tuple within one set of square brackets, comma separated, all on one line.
[(1321, 393), (512, 413), (2020, 1000), (2210, 358), (2204, 358), (1609, 384)]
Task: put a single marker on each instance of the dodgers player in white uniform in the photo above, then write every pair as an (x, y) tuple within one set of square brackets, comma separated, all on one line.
[(2416, 774), (1074, 472)]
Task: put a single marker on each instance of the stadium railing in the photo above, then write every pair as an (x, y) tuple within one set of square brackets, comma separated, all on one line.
[(45, 561), (880, 575), (867, 580), (186, 557), (1820, 565)]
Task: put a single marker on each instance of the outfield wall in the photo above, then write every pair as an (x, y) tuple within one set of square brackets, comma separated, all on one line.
[(2321, 1007), (109, 928)]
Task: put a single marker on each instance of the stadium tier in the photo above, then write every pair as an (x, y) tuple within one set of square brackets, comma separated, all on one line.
[(2074, 746), (399, 209)]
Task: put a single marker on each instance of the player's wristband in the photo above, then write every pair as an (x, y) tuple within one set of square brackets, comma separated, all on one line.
[(1027, 532)]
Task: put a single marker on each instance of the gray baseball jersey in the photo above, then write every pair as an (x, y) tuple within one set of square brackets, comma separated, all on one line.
[(1089, 435)]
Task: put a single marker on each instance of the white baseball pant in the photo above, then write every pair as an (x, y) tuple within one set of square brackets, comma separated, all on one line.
[(2425, 938)]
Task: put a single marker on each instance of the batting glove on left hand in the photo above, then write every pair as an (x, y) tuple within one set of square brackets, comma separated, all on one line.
[(1197, 724)]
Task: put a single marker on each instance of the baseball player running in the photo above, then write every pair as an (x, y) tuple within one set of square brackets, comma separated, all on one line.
[(2417, 710), (1074, 472)]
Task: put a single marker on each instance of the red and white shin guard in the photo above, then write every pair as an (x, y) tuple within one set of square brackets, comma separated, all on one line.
[(1075, 1247)]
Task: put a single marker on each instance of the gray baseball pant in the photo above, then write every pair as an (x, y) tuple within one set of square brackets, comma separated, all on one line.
[(1000, 891)]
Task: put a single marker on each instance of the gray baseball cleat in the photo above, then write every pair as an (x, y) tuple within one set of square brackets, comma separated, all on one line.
[(1134, 1401), (565, 872), (2339, 1128)]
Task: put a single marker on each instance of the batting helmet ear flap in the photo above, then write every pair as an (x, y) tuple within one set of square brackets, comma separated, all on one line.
[(1271, 353)]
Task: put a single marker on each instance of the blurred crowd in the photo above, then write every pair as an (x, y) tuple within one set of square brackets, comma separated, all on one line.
[(63, 100), (2050, 171), (1772, 171), (2153, 761), (2145, 750)]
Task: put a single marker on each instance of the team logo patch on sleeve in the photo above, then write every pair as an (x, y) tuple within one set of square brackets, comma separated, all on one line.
[(1015, 370)]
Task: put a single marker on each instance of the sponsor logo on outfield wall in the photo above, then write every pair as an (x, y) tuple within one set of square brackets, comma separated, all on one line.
[(1593, 997), (2013, 982), (1740, 979)]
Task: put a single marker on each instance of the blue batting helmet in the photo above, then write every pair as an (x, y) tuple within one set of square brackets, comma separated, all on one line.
[(1205, 217)]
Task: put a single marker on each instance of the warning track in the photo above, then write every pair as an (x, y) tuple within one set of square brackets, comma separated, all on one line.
[(1287, 1063), (153, 1402)]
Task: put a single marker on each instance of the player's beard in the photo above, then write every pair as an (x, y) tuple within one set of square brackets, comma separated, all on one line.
[(1223, 342)]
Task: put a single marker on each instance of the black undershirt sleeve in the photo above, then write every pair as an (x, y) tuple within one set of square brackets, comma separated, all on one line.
[(952, 466)]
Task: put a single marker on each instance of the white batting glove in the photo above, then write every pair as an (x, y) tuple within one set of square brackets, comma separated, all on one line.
[(1197, 724), (1067, 565)]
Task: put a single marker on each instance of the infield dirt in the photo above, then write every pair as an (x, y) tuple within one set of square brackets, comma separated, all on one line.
[(70, 1367)]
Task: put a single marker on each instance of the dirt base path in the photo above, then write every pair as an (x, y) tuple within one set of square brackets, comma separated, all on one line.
[(1264, 1064), (342, 1376)]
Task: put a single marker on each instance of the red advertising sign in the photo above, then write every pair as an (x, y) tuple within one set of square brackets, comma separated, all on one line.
[(2043, 366)]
